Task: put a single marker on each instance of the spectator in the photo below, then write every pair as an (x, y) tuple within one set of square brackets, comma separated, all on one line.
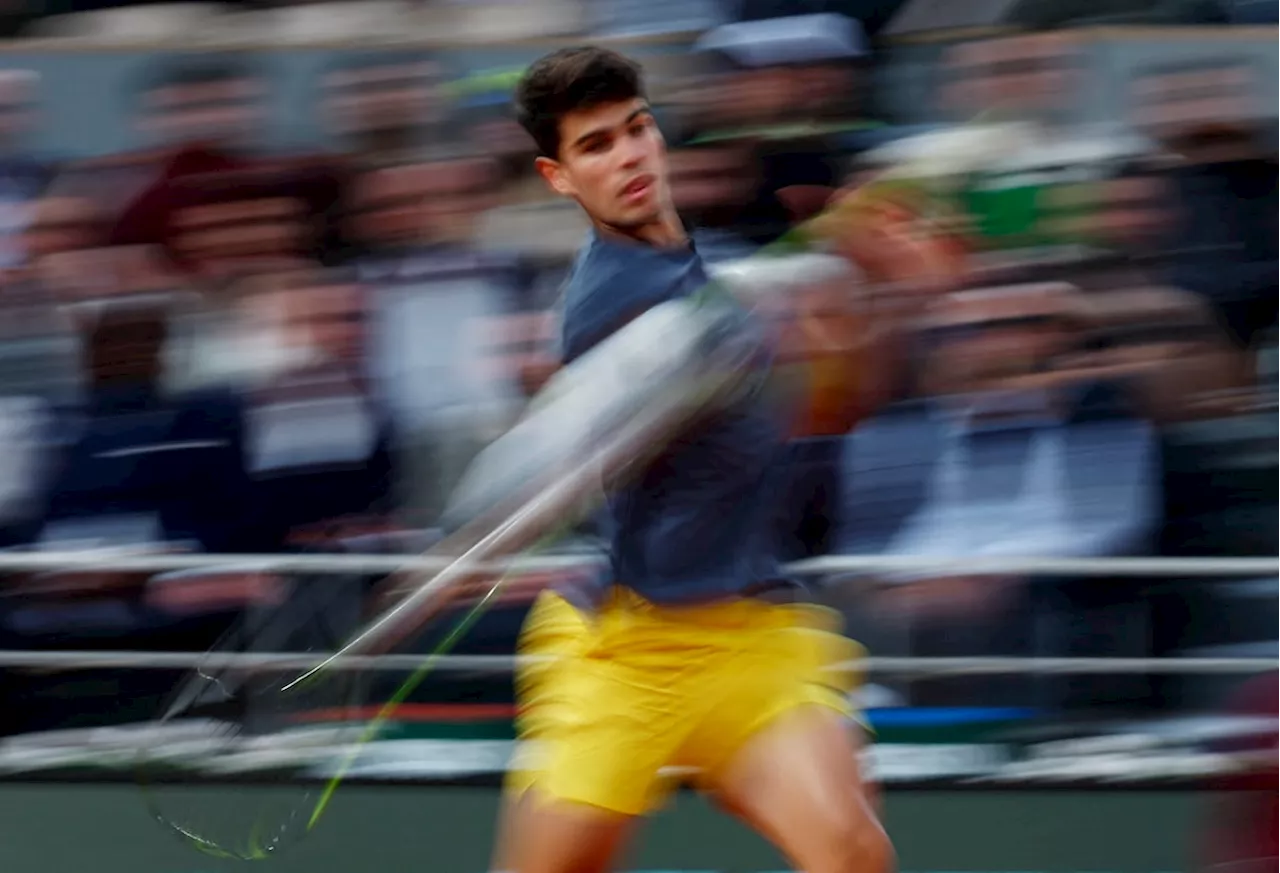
[(711, 183), (381, 106), (142, 468), (433, 290), (1225, 233), (226, 224), (39, 343), (22, 178), (318, 447), (196, 114), (1006, 456)]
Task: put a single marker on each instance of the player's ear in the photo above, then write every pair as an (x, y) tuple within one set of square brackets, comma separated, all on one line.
[(553, 173)]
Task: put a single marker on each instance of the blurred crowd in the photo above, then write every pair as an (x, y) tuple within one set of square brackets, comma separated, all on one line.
[(207, 345)]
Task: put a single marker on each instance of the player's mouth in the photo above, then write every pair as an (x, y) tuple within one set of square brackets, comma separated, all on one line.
[(638, 189)]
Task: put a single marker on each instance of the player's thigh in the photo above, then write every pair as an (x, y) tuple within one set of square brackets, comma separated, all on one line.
[(544, 835), (797, 782), (613, 716)]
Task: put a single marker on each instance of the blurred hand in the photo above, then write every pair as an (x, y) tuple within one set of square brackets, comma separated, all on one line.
[(887, 238)]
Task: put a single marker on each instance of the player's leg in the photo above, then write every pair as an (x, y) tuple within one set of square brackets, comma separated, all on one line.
[(779, 749), (797, 783), (601, 741), (553, 631), (556, 836), (536, 834)]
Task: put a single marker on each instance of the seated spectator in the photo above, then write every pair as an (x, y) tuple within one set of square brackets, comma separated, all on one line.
[(318, 447), (431, 291), (197, 114), (39, 346), (1005, 457), (1211, 115), (710, 185), (226, 224), (138, 470), (1001, 434), (23, 177), (379, 106), (143, 469)]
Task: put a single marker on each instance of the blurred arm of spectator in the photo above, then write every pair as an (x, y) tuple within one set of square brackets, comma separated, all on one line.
[(1167, 346)]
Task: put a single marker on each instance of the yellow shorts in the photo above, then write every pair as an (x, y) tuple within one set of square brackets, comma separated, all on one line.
[(631, 692)]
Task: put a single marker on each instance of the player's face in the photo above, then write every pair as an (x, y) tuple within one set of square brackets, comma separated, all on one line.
[(612, 161)]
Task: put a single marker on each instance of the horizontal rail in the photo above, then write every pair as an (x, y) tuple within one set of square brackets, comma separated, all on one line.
[(252, 661), (835, 565)]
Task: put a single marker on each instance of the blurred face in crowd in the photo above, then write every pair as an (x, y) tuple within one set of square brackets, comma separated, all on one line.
[(502, 140), (1028, 77), (325, 313), (769, 94), (710, 183), (984, 340), (226, 112), (65, 245), (459, 192), (1135, 213), (1168, 348), (613, 161), (371, 103), (413, 204), (62, 224), (1198, 110), (221, 239), (832, 89), (385, 210), (16, 98)]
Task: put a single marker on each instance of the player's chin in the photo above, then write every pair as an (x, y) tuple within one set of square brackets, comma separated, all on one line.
[(635, 217)]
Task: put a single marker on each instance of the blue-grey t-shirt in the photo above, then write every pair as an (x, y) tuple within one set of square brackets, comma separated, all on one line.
[(700, 522)]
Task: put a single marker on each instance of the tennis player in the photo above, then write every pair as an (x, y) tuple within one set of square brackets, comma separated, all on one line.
[(700, 655)]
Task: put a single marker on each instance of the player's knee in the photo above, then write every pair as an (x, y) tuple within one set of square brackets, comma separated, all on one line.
[(859, 845)]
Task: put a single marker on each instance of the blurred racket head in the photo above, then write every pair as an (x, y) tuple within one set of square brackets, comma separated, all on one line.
[(239, 717)]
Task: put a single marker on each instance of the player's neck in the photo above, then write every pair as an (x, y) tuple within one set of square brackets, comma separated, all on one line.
[(665, 233)]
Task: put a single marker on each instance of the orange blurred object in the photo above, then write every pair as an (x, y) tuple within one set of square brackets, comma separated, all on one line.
[(835, 338)]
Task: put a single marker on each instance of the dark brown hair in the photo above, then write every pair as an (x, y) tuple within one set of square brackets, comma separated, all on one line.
[(569, 80)]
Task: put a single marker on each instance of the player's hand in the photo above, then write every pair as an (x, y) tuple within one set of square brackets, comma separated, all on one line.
[(884, 232)]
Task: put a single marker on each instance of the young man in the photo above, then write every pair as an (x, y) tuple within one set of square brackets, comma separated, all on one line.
[(699, 655)]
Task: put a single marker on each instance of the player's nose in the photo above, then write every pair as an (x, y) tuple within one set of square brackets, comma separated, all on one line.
[(632, 154)]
